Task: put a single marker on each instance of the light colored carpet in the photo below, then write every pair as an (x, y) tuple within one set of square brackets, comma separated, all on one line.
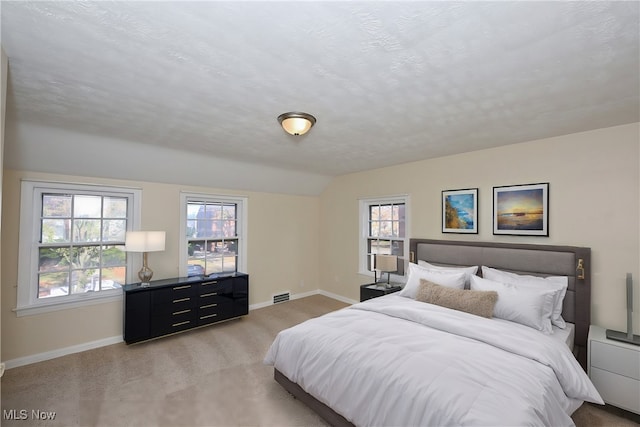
[(207, 377)]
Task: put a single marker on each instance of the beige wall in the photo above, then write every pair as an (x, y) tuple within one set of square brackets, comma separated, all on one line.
[(282, 255), (594, 201), (304, 243)]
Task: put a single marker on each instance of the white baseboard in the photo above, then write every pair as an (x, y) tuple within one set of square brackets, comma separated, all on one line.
[(303, 295), (41, 357), (337, 297)]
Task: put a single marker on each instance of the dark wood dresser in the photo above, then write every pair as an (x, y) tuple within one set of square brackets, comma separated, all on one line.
[(173, 305)]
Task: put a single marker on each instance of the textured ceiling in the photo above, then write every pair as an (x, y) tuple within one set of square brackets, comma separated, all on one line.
[(389, 82)]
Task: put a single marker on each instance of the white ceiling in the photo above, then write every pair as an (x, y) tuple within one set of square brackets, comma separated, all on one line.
[(389, 82)]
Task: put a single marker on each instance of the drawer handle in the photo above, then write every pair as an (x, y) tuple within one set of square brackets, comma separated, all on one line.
[(208, 295), (177, 288), (180, 312), (209, 305), (206, 317), (181, 300), (181, 323), (209, 283)]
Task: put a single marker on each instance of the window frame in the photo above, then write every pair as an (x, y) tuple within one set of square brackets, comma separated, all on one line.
[(242, 203), (31, 192), (364, 209)]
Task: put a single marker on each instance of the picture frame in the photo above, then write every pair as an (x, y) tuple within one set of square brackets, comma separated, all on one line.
[(460, 211), (521, 210)]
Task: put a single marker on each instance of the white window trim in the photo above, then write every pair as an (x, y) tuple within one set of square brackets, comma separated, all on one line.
[(364, 231), (241, 224), (27, 293)]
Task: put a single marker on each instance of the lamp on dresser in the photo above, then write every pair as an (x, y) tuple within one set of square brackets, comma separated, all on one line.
[(145, 242)]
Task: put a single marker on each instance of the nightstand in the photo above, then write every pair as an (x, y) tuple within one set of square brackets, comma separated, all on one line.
[(614, 368), (373, 290)]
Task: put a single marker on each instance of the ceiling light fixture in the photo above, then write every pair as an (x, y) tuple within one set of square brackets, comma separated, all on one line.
[(296, 123)]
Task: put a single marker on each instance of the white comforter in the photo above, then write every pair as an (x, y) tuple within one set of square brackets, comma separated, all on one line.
[(393, 361)]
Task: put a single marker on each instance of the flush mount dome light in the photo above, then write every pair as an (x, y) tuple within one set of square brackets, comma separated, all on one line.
[(296, 123)]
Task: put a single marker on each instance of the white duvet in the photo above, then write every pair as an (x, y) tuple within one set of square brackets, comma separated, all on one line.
[(393, 361)]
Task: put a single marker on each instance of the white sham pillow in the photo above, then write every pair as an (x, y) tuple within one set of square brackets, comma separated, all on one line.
[(531, 307), (469, 271), (450, 279), (558, 284)]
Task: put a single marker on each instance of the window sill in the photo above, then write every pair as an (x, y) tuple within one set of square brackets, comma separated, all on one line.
[(82, 300)]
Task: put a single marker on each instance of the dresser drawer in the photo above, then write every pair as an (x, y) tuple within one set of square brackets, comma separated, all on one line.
[(173, 294), (616, 389), (208, 316), (214, 312), (176, 321), (179, 304), (615, 359), (209, 298), (216, 287)]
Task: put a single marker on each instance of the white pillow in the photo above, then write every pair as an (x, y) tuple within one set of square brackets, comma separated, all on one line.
[(470, 271), (558, 284), (527, 306), (450, 279)]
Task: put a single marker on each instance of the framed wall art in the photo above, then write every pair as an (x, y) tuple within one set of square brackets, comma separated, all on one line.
[(521, 210), (460, 211)]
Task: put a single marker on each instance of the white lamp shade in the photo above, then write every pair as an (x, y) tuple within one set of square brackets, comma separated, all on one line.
[(386, 262), (144, 241), (296, 125)]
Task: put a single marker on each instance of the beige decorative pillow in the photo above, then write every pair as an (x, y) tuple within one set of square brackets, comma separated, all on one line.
[(480, 303)]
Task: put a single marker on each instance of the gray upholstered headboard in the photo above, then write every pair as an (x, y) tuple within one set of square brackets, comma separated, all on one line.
[(539, 260)]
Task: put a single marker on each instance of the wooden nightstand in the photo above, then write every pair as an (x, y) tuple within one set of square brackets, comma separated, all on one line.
[(614, 368), (373, 290)]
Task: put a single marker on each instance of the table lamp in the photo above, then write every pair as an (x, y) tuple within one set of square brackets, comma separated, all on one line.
[(144, 241), (387, 264)]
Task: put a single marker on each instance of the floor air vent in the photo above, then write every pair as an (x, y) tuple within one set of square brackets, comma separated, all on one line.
[(281, 297)]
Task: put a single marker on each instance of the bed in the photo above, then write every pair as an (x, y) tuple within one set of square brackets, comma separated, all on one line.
[(396, 360)]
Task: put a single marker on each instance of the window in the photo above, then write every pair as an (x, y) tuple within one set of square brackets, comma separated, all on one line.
[(71, 238), (384, 229), (213, 229)]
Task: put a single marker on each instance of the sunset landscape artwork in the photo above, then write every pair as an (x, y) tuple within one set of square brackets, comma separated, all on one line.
[(521, 209)]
